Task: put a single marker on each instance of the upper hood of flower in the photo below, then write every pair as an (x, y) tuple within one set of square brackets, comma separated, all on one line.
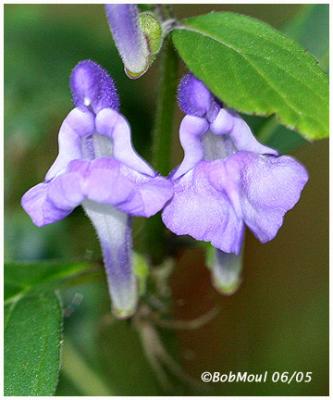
[(92, 87)]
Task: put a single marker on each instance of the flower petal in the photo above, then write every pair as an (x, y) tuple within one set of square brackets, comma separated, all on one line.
[(191, 130), (223, 123), (199, 210), (244, 139), (150, 195), (269, 187), (41, 210), (111, 182), (105, 184), (78, 123), (113, 125), (130, 41), (66, 191)]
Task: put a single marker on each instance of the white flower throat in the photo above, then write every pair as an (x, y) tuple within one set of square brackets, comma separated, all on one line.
[(217, 147)]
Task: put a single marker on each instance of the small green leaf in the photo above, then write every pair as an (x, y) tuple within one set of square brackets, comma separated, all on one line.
[(32, 345), (20, 278), (255, 69)]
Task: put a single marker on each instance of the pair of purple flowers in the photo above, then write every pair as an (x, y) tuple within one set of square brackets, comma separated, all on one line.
[(226, 180)]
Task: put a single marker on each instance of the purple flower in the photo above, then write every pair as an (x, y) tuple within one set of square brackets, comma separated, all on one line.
[(130, 40), (98, 168), (227, 179)]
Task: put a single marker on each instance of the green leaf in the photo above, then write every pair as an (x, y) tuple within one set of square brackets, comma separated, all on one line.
[(310, 29), (32, 345), (255, 69), (21, 278)]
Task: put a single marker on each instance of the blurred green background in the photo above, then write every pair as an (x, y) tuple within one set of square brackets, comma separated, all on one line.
[(277, 321)]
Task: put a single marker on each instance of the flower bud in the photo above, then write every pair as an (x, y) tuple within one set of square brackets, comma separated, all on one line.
[(131, 43)]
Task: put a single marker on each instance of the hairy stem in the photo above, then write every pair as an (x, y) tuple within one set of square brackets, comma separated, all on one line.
[(163, 125), (162, 142)]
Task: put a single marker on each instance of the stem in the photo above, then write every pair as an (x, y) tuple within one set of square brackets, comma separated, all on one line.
[(78, 370), (162, 142), (163, 125)]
